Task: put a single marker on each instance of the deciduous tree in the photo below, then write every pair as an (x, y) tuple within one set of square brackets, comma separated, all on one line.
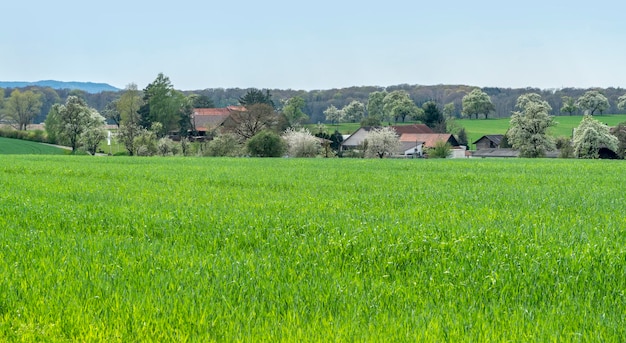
[(301, 143), (449, 110), (72, 119), (398, 105), (375, 105), (294, 110), (353, 112), (129, 104), (266, 144), (127, 134), (382, 142), (528, 127), (333, 114), (569, 105), (94, 133), (590, 136), (112, 113), (20, 108), (621, 102), (592, 102), (202, 101), (256, 118), (477, 102)]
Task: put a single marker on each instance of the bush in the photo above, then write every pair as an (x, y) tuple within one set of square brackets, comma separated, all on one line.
[(34, 135), (166, 146), (301, 143), (145, 144), (564, 144), (222, 146), (266, 144), (440, 150)]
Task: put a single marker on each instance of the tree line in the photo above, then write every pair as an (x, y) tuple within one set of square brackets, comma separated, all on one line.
[(317, 101)]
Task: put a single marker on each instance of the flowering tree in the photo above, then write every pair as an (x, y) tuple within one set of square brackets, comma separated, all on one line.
[(381, 142), (590, 136), (353, 112), (94, 133), (333, 114), (301, 143), (477, 102), (398, 105), (72, 119), (593, 101), (621, 102), (527, 132)]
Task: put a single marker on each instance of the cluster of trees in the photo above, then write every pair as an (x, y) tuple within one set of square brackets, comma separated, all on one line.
[(387, 107), (529, 125)]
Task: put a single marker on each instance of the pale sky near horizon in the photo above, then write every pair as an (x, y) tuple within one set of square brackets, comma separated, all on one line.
[(316, 45)]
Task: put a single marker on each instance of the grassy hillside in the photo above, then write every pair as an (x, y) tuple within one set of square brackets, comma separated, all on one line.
[(270, 250), (9, 146), (565, 125)]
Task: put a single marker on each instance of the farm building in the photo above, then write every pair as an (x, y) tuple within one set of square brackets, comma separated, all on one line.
[(414, 140), (357, 138), (207, 119), (488, 142), (429, 139)]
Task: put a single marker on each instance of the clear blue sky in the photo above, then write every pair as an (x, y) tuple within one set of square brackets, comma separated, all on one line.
[(318, 44)]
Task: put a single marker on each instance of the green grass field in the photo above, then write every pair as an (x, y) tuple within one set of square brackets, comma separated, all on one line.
[(9, 146), (565, 124), (189, 249)]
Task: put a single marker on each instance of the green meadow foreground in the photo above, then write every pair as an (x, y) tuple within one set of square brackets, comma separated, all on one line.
[(188, 249)]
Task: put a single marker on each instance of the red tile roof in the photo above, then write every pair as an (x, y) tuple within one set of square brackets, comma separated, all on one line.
[(429, 139), (206, 118), (413, 128)]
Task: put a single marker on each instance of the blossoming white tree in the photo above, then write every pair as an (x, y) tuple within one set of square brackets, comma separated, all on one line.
[(381, 142), (301, 143), (527, 132), (592, 102), (590, 136)]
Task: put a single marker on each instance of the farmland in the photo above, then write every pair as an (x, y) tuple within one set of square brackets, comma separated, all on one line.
[(190, 249), (21, 147), (565, 124)]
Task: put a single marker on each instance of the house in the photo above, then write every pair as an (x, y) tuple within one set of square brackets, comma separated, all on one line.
[(413, 128), (208, 119), (357, 138), (488, 142), (429, 139)]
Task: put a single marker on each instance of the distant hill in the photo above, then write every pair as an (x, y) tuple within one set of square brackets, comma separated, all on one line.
[(89, 87)]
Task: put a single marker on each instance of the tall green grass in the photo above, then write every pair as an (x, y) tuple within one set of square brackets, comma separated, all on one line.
[(186, 249)]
